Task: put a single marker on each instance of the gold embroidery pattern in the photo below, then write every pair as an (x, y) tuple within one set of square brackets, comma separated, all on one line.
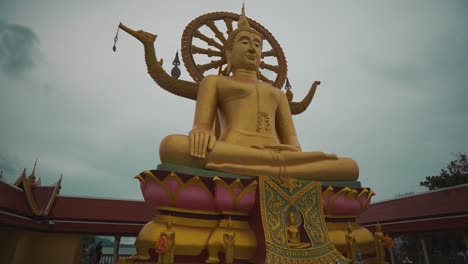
[(275, 199), (313, 226), (290, 184), (274, 215), (263, 118)]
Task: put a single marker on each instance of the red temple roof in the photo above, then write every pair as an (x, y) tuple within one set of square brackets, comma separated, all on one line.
[(24, 204), (27, 204), (434, 210)]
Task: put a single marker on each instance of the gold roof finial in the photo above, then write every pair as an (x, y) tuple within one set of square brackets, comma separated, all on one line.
[(243, 23), (32, 176)]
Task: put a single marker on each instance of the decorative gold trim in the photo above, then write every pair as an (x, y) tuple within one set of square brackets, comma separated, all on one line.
[(20, 178), (53, 197), (329, 190), (236, 224), (195, 181), (235, 198), (367, 201), (251, 188), (189, 211), (30, 197), (363, 192), (234, 213), (341, 216), (172, 176), (235, 184), (149, 177), (343, 192), (352, 194), (176, 220)]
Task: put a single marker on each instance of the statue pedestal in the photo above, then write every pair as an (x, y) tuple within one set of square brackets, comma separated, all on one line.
[(199, 203), (342, 205)]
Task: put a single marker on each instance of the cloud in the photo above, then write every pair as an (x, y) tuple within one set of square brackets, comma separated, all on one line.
[(10, 166), (18, 49)]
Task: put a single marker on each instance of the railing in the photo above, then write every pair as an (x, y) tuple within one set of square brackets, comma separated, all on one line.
[(109, 258)]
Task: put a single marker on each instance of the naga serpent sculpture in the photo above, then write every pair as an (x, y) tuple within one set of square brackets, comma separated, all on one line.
[(189, 89)]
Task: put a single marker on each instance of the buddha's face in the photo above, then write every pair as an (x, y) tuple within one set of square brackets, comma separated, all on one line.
[(246, 51), (292, 219)]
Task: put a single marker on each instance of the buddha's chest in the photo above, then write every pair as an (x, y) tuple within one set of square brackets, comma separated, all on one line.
[(249, 95)]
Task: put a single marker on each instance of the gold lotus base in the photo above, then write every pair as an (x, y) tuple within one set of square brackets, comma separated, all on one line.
[(193, 236)]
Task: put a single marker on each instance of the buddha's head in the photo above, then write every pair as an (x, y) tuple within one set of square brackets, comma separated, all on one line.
[(292, 218), (243, 47), (169, 225)]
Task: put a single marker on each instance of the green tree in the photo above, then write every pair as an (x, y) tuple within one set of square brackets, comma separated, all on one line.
[(456, 173)]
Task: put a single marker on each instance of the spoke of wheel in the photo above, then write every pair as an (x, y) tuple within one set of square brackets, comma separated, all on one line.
[(270, 53), (212, 65), (270, 67), (228, 22), (208, 40), (265, 79), (215, 30), (209, 52)]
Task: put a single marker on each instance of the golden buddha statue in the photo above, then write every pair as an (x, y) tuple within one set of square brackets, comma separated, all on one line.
[(379, 247), (293, 233), (351, 245), (257, 133), (229, 239), (168, 256)]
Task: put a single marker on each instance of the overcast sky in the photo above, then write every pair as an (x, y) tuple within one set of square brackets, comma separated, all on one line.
[(393, 94)]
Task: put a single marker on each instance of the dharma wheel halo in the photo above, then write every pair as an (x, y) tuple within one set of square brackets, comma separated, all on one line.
[(203, 48)]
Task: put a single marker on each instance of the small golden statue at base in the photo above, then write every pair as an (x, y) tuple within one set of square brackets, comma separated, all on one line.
[(229, 238), (294, 235), (351, 246), (166, 245), (379, 248)]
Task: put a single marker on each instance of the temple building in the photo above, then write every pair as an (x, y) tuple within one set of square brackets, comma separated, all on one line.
[(427, 227), (38, 223)]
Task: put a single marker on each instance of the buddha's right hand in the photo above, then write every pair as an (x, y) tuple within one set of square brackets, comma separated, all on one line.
[(201, 141)]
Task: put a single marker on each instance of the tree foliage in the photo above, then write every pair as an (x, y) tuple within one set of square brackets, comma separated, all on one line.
[(455, 173)]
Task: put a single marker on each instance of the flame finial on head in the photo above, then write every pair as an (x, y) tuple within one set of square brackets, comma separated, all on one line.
[(243, 22)]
